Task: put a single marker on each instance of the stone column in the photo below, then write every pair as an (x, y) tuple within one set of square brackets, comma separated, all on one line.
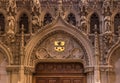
[(90, 74), (106, 72), (110, 75), (28, 74), (13, 72), (96, 57)]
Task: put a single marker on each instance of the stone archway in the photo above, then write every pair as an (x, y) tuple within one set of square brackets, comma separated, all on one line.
[(58, 42)]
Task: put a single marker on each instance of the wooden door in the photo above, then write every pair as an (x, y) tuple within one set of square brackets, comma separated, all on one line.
[(59, 73)]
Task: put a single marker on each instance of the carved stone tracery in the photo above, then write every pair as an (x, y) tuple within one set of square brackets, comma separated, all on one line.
[(45, 49)]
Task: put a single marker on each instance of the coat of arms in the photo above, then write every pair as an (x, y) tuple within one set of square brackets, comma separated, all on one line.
[(59, 46)]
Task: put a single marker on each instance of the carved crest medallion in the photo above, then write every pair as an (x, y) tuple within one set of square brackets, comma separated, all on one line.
[(59, 46)]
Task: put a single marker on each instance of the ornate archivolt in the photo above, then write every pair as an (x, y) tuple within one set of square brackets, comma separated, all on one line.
[(58, 41), (59, 46)]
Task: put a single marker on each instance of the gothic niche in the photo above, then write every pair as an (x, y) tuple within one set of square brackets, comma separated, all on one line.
[(2, 24), (94, 20), (116, 23), (47, 19), (59, 46), (24, 21), (71, 19)]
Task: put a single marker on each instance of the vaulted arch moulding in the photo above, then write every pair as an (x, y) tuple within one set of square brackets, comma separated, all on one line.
[(59, 45), (59, 42)]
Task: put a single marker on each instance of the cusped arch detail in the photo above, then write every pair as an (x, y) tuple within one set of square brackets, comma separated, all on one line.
[(7, 53)]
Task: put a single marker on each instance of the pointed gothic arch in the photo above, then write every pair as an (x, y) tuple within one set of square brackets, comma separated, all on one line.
[(61, 26), (24, 20), (47, 18), (71, 19), (94, 20)]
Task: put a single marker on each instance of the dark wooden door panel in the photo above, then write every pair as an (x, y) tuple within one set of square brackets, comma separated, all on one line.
[(60, 80), (40, 80), (63, 80), (59, 73), (52, 81), (77, 81)]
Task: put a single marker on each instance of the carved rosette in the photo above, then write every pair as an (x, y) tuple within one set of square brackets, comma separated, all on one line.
[(59, 46)]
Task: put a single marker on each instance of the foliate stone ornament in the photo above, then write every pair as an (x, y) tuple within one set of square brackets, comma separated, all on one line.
[(36, 6), (85, 2), (42, 53), (119, 32), (36, 22), (108, 38), (107, 23), (11, 24), (12, 6)]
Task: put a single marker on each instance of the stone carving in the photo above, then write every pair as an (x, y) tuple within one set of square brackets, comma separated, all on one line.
[(107, 23), (106, 12), (108, 38), (84, 2), (36, 22), (106, 3), (59, 68), (11, 24), (47, 49), (83, 22), (41, 53), (36, 11), (11, 28), (76, 53), (36, 6), (12, 6)]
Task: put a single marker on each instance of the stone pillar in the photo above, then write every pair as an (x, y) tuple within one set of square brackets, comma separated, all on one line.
[(90, 74), (105, 73), (13, 73), (28, 74), (110, 75)]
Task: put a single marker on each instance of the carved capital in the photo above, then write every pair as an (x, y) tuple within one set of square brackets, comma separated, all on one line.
[(13, 68), (106, 69), (28, 70), (89, 69)]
